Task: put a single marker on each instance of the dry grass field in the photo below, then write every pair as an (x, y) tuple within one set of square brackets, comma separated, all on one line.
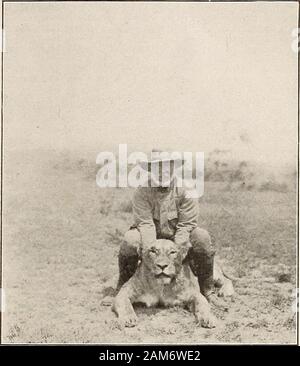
[(61, 238)]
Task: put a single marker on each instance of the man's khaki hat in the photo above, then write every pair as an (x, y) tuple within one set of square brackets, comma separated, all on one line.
[(162, 166)]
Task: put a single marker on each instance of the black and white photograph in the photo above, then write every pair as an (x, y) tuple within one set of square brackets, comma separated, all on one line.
[(149, 172)]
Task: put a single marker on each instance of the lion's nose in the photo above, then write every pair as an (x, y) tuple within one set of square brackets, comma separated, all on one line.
[(162, 266)]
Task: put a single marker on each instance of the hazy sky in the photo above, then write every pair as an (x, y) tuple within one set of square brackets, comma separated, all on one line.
[(187, 76)]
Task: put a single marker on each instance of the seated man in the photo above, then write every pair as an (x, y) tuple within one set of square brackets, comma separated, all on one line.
[(165, 212)]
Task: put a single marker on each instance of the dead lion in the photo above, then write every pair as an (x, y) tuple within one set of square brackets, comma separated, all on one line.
[(162, 279)]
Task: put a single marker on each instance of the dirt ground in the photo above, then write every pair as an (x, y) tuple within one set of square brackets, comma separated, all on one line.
[(61, 238)]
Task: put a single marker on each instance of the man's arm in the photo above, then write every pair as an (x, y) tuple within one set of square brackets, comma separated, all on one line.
[(142, 213), (187, 221)]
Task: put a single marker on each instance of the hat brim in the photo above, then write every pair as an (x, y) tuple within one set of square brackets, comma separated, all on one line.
[(146, 164)]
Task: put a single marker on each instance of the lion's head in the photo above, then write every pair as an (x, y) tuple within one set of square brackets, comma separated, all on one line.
[(163, 259)]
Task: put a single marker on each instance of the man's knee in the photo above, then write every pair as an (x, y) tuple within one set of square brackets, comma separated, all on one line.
[(201, 242), (131, 243), (132, 238)]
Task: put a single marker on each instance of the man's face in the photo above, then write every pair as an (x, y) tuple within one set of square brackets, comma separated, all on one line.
[(162, 175), (161, 189)]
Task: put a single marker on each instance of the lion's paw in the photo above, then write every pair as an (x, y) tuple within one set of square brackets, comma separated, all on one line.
[(226, 290), (129, 321), (207, 320), (107, 301)]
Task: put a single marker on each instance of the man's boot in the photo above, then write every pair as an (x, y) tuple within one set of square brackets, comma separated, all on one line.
[(207, 288), (128, 262), (202, 265)]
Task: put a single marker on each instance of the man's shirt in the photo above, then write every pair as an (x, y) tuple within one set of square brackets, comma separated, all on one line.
[(169, 215)]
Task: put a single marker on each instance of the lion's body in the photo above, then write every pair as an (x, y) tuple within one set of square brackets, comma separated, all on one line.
[(151, 292), (162, 279)]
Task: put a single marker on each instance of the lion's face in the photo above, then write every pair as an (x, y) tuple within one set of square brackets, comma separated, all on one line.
[(163, 259)]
